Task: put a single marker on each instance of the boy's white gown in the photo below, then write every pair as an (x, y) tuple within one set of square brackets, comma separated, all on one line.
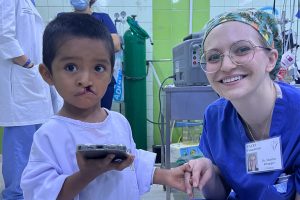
[(53, 159)]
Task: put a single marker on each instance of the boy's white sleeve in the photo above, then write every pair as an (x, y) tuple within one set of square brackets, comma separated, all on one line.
[(144, 166), (42, 177)]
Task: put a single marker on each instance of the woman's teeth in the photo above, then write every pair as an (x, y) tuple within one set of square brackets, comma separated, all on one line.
[(232, 79)]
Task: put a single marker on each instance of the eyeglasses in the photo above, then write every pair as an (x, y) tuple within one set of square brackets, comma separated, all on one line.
[(240, 53)]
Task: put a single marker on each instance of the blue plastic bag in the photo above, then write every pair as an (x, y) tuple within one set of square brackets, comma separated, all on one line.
[(118, 74)]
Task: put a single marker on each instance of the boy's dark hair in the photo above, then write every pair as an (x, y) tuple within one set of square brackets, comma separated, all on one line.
[(70, 25)]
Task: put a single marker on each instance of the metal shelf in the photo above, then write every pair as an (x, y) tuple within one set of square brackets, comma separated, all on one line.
[(182, 103)]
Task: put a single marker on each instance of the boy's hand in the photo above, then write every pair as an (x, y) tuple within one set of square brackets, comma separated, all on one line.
[(174, 177), (89, 169), (94, 167), (178, 177)]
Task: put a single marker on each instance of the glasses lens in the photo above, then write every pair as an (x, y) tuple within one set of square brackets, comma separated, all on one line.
[(241, 52), (211, 60), (203, 63)]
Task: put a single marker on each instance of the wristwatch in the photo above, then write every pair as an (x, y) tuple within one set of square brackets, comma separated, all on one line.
[(28, 64)]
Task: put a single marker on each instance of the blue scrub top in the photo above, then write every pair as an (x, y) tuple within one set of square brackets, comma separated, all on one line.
[(224, 138), (105, 19)]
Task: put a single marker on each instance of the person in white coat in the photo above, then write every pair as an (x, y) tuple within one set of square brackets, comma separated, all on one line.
[(25, 101)]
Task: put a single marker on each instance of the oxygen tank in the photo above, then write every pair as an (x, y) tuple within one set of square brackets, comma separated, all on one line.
[(135, 81)]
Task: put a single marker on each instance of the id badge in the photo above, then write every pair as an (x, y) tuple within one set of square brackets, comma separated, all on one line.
[(264, 155)]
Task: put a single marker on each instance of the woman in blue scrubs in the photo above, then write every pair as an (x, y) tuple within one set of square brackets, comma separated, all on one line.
[(255, 114)]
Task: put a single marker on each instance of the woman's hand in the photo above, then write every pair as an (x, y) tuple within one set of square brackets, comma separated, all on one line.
[(116, 41), (202, 172), (22, 61), (205, 176)]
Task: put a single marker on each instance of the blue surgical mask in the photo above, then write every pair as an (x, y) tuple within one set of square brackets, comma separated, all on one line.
[(80, 4)]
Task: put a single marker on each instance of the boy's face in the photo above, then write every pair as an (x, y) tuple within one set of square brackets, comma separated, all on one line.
[(81, 72)]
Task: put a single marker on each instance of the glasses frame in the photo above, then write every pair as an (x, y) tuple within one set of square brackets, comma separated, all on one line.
[(222, 55)]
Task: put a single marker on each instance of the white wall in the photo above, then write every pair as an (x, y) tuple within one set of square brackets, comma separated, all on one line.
[(142, 8)]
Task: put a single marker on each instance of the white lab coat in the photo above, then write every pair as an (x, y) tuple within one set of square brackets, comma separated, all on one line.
[(24, 96)]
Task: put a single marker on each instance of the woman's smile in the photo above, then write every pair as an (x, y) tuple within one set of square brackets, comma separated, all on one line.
[(232, 79)]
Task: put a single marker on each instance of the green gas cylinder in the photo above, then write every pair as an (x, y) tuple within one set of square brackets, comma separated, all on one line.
[(135, 81)]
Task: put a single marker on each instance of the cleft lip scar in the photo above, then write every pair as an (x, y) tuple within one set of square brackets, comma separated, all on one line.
[(89, 89), (86, 90)]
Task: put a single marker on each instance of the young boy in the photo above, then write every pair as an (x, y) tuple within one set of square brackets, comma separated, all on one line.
[(78, 57)]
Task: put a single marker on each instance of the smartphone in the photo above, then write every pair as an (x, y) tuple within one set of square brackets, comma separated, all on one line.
[(99, 151)]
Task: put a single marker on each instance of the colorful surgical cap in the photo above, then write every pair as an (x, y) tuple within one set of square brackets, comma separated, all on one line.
[(265, 24)]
